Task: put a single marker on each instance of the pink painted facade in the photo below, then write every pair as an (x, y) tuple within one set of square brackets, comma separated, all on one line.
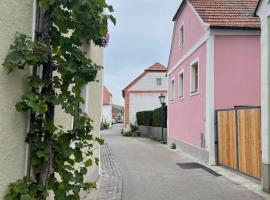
[(194, 29), (186, 116), (237, 71), (231, 57)]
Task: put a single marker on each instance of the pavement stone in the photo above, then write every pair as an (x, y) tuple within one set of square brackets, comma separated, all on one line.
[(110, 185)]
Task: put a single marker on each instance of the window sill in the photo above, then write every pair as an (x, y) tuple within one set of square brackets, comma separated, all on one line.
[(194, 93), (172, 101), (181, 98)]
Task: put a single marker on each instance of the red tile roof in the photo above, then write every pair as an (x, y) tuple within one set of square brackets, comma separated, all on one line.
[(106, 96), (226, 13), (156, 67)]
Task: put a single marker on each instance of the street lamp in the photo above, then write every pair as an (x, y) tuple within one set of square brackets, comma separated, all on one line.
[(163, 104), (162, 99)]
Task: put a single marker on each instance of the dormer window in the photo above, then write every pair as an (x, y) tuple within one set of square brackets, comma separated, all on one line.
[(181, 34)]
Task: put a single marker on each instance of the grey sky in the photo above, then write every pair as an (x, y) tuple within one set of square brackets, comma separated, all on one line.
[(141, 37)]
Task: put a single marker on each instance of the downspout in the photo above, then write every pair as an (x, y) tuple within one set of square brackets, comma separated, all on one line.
[(31, 116)]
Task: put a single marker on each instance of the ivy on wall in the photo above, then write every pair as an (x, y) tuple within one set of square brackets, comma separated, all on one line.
[(59, 158)]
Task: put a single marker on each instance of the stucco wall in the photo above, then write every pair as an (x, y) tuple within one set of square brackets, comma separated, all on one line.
[(187, 115), (95, 103), (237, 71), (148, 82), (264, 13), (107, 114), (142, 102), (193, 30), (16, 16)]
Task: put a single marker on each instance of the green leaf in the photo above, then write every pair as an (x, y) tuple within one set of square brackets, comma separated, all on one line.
[(99, 140), (26, 197), (88, 163), (50, 127), (43, 154), (36, 81)]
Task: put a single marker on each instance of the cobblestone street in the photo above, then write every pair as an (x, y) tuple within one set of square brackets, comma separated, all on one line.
[(142, 169), (111, 183)]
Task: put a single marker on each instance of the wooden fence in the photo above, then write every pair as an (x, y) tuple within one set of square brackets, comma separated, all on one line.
[(239, 140)]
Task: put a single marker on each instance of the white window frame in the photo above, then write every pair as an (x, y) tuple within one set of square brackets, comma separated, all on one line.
[(172, 96), (192, 93), (181, 36), (182, 72)]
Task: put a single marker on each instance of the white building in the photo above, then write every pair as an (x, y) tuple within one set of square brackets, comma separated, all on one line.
[(142, 93), (107, 107), (263, 11)]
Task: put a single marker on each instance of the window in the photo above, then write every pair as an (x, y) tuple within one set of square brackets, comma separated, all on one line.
[(181, 39), (194, 78), (159, 81), (172, 90), (181, 85)]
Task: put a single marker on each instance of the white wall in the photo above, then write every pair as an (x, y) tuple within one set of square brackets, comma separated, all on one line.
[(107, 114), (148, 82), (264, 13), (143, 102)]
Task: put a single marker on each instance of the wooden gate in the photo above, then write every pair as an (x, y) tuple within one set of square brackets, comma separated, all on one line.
[(239, 140)]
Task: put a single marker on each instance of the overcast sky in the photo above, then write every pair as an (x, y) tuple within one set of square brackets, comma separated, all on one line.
[(141, 37)]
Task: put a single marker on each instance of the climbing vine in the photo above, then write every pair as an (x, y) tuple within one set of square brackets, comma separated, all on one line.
[(59, 157)]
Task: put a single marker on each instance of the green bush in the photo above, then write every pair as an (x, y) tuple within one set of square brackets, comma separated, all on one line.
[(156, 118), (132, 134), (104, 125), (145, 118), (160, 117)]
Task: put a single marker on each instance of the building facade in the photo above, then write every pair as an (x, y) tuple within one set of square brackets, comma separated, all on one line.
[(142, 93), (118, 113), (19, 16), (107, 107), (263, 11), (214, 64)]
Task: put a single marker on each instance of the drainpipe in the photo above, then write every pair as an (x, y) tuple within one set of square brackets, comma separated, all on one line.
[(31, 117)]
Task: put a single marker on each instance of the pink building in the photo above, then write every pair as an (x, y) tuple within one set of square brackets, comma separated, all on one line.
[(214, 64)]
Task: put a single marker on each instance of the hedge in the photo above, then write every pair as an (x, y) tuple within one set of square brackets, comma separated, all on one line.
[(145, 118), (160, 117), (152, 118)]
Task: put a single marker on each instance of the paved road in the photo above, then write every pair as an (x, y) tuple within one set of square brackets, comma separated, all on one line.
[(150, 172)]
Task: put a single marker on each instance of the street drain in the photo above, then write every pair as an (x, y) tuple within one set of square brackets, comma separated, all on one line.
[(195, 165)]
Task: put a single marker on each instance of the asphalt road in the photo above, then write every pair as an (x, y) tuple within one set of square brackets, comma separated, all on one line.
[(150, 172)]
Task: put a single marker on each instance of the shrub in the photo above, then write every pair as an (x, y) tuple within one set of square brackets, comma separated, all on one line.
[(104, 125), (160, 117), (145, 118), (132, 134), (133, 128), (157, 118)]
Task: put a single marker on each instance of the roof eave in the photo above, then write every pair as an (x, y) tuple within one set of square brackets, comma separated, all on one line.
[(234, 28), (257, 7), (180, 9)]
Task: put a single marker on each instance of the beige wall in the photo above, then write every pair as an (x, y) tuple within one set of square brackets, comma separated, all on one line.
[(15, 16), (95, 101)]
